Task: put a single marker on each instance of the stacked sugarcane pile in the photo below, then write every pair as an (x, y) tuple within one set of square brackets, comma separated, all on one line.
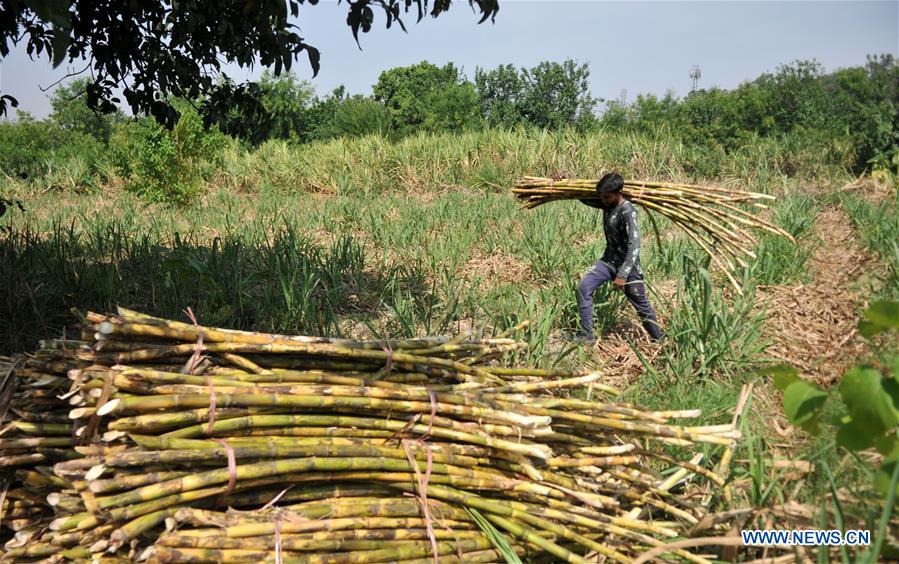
[(171, 441), (712, 217)]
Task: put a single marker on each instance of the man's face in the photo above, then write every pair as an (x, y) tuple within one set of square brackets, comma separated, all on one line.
[(608, 199)]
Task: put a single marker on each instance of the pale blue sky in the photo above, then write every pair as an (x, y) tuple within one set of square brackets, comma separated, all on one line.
[(638, 46)]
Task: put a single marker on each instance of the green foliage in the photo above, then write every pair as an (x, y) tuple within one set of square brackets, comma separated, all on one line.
[(275, 282), (281, 109), (549, 95), (500, 93), (497, 539), (878, 224), (856, 107), (711, 333), (71, 112), (870, 398), (803, 403), (286, 101), (154, 52), (427, 97), (866, 417), (167, 166), (879, 318), (30, 149), (358, 115), (780, 260)]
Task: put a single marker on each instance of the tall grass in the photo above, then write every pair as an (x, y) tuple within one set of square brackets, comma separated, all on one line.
[(780, 261), (281, 282), (489, 160), (878, 224), (493, 159), (712, 333), (408, 237)]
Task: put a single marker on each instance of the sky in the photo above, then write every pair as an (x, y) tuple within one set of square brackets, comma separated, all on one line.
[(638, 47)]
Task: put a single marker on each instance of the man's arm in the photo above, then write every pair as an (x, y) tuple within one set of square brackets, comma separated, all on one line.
[(592, 203), (633, 246)]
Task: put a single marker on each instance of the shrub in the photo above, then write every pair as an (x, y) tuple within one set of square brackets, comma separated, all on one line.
[(29, 148), (167, 166)]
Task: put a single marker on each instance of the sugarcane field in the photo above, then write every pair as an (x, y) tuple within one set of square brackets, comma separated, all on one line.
[(402, 281)]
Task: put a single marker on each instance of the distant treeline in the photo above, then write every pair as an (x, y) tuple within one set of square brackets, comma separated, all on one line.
[(853, 112)]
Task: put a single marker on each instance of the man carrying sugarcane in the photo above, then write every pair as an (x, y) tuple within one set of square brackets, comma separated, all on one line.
[(620, 262)]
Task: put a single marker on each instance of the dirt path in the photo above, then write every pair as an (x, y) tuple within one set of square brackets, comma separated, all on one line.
[(813, 326)]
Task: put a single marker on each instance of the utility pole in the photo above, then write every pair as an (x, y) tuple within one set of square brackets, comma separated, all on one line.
[(695, 75)]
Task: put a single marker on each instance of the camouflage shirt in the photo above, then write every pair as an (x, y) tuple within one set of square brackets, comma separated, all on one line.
[(622, 238)]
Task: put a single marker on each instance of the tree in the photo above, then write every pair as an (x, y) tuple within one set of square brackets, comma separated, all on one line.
[(425, 96), (651, 111), (795, 95), (360, 115), (558, 94), (284, 110), (500, 95), (29, 147), (548, 95), (711, 114), (71, 112), (156, 50), (321, 115)]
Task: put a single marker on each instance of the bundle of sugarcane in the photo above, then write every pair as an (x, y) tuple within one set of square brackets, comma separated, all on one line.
[(252, 446), (711, 216)]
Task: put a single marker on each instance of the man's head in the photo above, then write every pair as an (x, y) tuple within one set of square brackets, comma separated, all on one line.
[(609, 189)]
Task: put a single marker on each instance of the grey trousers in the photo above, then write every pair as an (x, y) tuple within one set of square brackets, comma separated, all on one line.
[(634, 289)]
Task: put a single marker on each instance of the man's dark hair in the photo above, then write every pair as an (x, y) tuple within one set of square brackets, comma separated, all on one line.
[(611, 182)]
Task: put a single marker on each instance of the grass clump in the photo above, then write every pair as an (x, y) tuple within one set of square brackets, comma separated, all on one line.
[(877, 221), (780, 261)]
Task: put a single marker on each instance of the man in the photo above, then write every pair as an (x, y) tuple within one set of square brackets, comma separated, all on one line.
[(620, 262)]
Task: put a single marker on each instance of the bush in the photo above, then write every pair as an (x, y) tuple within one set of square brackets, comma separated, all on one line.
[(167, 166), (856, 107), (30, 149), (357, 116)]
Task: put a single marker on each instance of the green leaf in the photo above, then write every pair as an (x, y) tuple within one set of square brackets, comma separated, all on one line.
[(881, 316), (884, 444), (851, 437), (803, 403), (782, 374), (870, 406), (891, 388), (868, 329), (496, 538), (885, 472), (883, 313), (60, 44)]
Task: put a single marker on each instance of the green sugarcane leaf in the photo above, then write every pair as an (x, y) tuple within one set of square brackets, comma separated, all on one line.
[(495, 537), (869, 404)]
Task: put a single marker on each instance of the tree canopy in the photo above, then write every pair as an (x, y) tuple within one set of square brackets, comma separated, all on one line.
[(550, 95), (425, 96), (154, 51)]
